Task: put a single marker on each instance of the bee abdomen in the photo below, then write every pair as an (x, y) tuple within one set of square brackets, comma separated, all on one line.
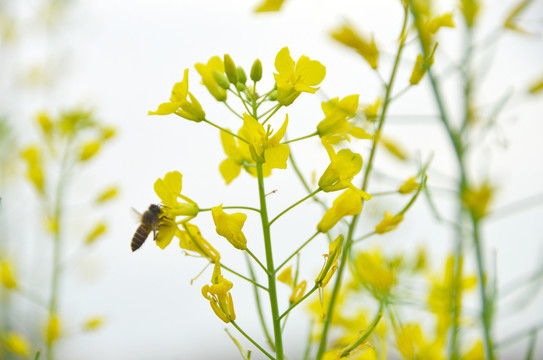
[(140, 236)]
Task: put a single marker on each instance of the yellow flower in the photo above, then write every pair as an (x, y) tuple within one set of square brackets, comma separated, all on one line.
[(394, 148), (294, 78), (389, 223), (421, 65), (264, 148), (478, 200), (93, 323), (89, 149), (229, 226), (367, 49), (269, 5), (375, 273), (179, 105), (106, 195), (414, 346), (511, 19), (536, 86), (342, 169), (45, 123), (336, 126), (298, 292), (17, 344), (98, 230), (470, 9), (330, 266), (286, 276), (219, 296), (52, 332), (192, 240), (408, 186), (169, 191), (206, 72), (371, 111), (34, 172), (7, 278), (477, 352), (348, 203), (441, 298), (428, 25)]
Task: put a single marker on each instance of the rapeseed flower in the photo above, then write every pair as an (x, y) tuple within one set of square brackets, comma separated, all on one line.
[(179, 105), (17, 344), (7, 277), (264, 148), (34, 172), (229, 226), (331, 264), (206, 72), (269, 5), (191, 239), (375, 273), (367, 49), (478, 199), (294, 78), (344, 166), (219, 297), (414, 346), (336, 126), (408, 186), (348, 203), (53, 329), (389, 223)]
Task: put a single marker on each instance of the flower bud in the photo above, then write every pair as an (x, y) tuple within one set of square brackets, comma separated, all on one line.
[(256, 71), (242, 77), (221, 79), (273, 95), (241, 86), (230, 69)]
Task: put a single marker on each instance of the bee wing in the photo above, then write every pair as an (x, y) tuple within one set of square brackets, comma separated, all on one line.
[(137, 215)]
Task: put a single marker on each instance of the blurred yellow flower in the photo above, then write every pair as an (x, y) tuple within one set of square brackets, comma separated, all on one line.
[(478, 199), (408, 186), (269, 5), (394, 148), (286, 276), (93, 323), (470, 10), (371, 111), (34, 172), (88, 150), (97, 231), (375, 273), (53, 329), (294, 78), (7, 277), (367, 49), (17, 344), (414, 346), (106, 195), (298, 292), (229, 226), (389, 223)]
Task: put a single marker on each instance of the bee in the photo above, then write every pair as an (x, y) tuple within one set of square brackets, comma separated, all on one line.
[(149, 222)]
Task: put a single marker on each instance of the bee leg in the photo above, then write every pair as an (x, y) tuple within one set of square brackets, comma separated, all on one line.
[(154, 234)]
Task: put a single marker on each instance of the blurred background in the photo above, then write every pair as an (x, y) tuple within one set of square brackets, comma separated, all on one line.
[(121, 58)]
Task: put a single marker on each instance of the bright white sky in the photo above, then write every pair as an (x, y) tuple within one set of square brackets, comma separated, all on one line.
[(123, 57)]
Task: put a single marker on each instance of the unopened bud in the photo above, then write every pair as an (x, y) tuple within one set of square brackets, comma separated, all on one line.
[(241, 86), (256, 71), (221, 79), (230, 69), (242, 77)]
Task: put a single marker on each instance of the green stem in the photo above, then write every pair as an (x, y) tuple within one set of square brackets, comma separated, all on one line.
[(57, 244), (225, 130), (251, 340), (301, 138), (243, 277), (243, 101), (232, 110), (295, 204), (273, 113), (349, 240), (367, 333), (272, 286), (257, 260), (259, 305), (297, 251), (299, 301)]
